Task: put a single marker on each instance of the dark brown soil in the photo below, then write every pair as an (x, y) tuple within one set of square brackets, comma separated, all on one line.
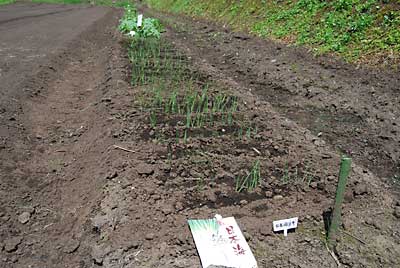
[(53, 63), (353, 108), (71, 197)]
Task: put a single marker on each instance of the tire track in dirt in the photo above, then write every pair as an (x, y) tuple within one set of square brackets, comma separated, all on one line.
[(4, 21)]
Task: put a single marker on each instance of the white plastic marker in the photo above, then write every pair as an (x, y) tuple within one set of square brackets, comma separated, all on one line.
[(285, 225), (220, 242), (139, 20)]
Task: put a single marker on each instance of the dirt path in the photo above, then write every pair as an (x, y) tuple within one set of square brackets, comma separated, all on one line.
[(53, 65), (70, 198)]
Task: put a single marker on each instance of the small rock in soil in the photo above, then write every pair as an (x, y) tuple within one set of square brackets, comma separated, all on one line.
[(180, 240), (305, 240), (71, 246), (319, 142), (218, 266), (99, 221), (361, 189), (144, 169), (179, 206), (348, 196), (321, 186), (30, 210), (24, 217), (292, 203), (277, 197), (133, 244), (330, 189), (277, 191), (126, 183), (156, 197), (12, 244), (269, 194), (347, 224), (331, 178), (167, 210), (211, 197), (165, 167), (396, 212), (265, 232), (243, 202), (346, 258), (240, 37), (112, 175), (247, 236), (160, 182), (212, 184), (326, 156), (195, 174), (224, 175), (98, 254), (149, 236), (313, 185), (373, 223)]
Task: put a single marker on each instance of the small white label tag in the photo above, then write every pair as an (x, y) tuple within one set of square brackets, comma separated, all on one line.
[(285, 225), (139, 20)]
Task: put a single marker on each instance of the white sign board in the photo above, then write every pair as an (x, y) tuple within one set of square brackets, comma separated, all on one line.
[(285, 225), (220, 242), (139, 20)]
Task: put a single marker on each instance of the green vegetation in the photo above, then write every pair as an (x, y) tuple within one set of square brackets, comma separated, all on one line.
[(172, 93), (250, 181), (120, 3), (298, 175), (150, 28), (5, 2), (198, 110), (185, 111), (354, 29)]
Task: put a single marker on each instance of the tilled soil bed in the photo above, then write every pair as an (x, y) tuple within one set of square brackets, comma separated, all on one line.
[(124, 149)]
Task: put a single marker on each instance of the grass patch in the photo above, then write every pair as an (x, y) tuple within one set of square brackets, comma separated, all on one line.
[(6, 2), (353, 29)]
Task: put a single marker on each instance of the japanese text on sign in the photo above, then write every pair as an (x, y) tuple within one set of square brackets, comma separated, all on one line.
[(285, 225)]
